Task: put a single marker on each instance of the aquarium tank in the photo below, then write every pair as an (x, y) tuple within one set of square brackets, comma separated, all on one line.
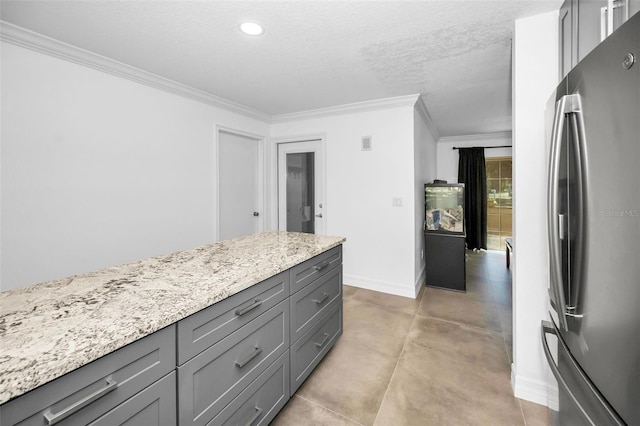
[(444, 207)]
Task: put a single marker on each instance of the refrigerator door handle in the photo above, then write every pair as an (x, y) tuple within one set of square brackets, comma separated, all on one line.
[(553, 217), (548, 327), (566, 105), (581, 191)]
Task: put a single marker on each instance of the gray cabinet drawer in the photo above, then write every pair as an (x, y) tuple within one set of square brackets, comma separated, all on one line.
[(205, 328), (154, 406), (307, 352), (308, 271), (106, 382), (211, 380), (259, 403), (310, 303)]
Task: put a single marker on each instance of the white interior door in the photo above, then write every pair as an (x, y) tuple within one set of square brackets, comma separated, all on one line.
[(300, 187), (239, 193)]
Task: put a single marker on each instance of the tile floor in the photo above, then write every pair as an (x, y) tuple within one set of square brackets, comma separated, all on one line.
[(441, 359)]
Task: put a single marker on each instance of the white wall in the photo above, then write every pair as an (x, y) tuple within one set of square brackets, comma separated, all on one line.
[(448, 157), (535, 72), (425, 163), (98, 170), (379, 252)]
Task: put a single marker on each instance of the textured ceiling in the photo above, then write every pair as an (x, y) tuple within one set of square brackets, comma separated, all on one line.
[(314, 54)]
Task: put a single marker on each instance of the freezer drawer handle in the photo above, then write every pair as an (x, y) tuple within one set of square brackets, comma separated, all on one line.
[(549, 328), (251, 307), (52, 418), (257, 350), (255, 417)]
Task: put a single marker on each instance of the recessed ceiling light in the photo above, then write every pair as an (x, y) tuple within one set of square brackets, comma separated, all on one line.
[(251, 28)]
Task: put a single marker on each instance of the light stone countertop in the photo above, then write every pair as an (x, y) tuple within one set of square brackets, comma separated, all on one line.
[(52, 328)]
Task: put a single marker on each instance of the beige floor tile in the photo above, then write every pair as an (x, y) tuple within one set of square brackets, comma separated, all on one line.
[(477, 350), (350, 381), (302, 412), (475, 273), (374, 328), (442, 359), (479, 289), (459, 307), (502, 293), (413, 400), (450, 374), (353, 378), (535, 414), (349, 291), (397, 303)]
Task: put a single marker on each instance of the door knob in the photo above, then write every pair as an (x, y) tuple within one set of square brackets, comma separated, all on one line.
[(319, 215), (256, 214)]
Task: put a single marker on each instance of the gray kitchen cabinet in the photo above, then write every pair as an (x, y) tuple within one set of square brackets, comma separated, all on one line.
[(156, 405), (236, 365), (568, 37), (309, 270), (583, 24), (316, 312), (310, 349), (205, 328), (314, 300), (212, 379), (89, 392), (261, 401)]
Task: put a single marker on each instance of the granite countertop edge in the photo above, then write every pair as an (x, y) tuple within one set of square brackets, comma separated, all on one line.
[(55, 327)]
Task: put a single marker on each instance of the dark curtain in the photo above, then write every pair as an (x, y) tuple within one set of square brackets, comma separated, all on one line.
[(473, 173)]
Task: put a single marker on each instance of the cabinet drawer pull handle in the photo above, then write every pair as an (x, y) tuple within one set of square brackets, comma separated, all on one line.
[(321, 344), (251, 307), (52, 418), (256, 351), (321, 301), (255, 417), (321, 266)]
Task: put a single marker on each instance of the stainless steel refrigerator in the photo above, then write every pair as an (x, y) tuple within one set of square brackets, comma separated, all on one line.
[(592, 339)]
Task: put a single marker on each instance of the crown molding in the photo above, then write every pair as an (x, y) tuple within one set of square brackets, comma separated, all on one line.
[(22, 37), (421, 107), (477, 137), (373, 105)]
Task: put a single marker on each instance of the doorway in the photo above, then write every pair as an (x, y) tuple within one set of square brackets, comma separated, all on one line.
[(240, 181), (301, 186)]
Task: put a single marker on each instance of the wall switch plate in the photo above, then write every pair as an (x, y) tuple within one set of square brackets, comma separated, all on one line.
[(366, 143), (396, 202)]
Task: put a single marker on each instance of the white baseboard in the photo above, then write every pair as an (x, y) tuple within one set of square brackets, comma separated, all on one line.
[(534, 390), (381, 286)]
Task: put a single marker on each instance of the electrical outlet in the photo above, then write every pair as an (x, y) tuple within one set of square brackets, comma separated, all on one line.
[(396, 202)]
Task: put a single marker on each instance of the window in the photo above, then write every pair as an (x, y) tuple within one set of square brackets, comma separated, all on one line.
[(499, 197)]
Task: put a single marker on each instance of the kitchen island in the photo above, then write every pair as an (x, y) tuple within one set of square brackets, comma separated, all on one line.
[(53, 328)]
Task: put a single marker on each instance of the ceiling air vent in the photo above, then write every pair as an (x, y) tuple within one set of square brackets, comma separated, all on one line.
[(366, 143)]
